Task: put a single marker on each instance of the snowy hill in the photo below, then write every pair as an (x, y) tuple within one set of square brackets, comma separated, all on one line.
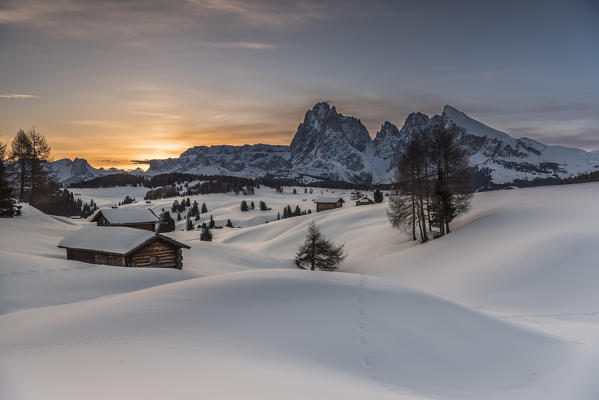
[(505, 307), (331, 146)]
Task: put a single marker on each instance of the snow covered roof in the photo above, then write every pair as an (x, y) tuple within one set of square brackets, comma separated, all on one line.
[(117, 240), (128, 215), (365, 199), (328, 199)]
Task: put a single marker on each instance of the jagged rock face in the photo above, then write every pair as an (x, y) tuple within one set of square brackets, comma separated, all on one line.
[(250, 161), (330, 145)]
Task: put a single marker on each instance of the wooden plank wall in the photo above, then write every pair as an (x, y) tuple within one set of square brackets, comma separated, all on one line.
[(156, 254)]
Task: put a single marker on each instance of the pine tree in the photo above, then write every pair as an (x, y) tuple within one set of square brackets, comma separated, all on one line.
[(378, 196), (229, 223), (178, 216), (188, 202), (297, 212), (212, 223), (244, 206), (294, 191), (189, 225), (204, 208), (252, 205), (318, 253), (194, 211), (167, 223), (206, 234), (262, 206)]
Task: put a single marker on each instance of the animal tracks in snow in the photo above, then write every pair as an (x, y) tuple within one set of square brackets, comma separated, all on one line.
[(362, 325)]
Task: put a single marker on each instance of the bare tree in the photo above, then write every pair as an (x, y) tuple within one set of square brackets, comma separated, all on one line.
[(318, 253), (407, 204)]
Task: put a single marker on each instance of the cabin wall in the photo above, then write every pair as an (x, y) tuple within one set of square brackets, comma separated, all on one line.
[(156, 254), (327, 206), (101, 221), (94, 257), (148, 226)]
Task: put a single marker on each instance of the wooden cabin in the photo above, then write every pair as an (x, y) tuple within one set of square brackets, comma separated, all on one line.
[(328, 203), (364, 201), (139, 218), (123, 247)]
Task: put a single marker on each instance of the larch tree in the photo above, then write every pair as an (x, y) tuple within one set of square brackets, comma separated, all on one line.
[(20, 154), (317, 253), (452, 187), (406, 205), (6, 206), (40, 157)]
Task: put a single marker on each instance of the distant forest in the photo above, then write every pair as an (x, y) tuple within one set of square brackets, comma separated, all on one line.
[(481, 180)]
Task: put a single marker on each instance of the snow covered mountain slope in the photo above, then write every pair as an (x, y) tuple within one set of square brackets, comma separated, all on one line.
[(332, 146), (68, 171), (248, 160), (508, 159)]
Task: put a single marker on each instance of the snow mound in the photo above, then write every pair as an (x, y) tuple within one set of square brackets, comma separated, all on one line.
[(370, 335)]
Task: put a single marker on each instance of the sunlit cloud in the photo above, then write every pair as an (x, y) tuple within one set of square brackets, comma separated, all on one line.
[(242, 45), (18, 96), (132, 22)]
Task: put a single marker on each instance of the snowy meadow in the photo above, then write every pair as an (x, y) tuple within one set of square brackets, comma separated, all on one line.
[(504, 307)]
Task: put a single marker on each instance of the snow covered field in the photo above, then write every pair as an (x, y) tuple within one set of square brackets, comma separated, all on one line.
[(505, 307)]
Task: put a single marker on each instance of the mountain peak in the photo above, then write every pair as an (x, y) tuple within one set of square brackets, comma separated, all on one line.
[(450, 109)]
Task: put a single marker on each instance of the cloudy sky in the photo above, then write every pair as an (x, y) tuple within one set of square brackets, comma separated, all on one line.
[(114, 81)]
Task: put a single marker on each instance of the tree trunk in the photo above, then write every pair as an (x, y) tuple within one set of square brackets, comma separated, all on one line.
[(22, 195), (312, 256), (413, 218)]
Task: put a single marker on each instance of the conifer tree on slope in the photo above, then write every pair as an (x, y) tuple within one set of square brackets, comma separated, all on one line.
[(206, 234), (317, 253), (189, 225)]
